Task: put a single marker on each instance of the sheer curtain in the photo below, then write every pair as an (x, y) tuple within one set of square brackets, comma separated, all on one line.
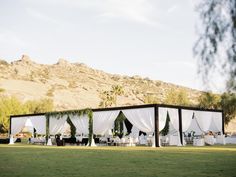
[(187, 116), (124, 129), (142, 118), (39, 123), (17, 124), (103, 121), (162, 112), (216, 124), (174, 118), (194, 127), (56, 124), (81, 123), (174, 122), (135, 132), (204, 119)]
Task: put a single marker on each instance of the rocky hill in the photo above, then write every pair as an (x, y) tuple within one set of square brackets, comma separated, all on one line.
[(75, 85)]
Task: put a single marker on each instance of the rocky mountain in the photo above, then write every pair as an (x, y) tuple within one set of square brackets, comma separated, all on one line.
[(75, 85)]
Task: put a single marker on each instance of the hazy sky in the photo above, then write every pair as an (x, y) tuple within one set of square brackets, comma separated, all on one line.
[(150, 38)]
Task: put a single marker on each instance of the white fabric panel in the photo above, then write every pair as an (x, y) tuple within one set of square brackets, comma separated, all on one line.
[(213, 127), (28, 123), (217, 121), (172, 130), (17, 124), (174, 135), (135, 132), (81, 124), (174, 117), (187, 116), (124, 129), (56, 125), (162, 112), (204, 119), (103, 121), (194, 127), (39, 123), (11, 139), (174, 139), (142, 118)]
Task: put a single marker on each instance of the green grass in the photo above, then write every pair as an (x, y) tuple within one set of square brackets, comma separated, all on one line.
[(33, 161)]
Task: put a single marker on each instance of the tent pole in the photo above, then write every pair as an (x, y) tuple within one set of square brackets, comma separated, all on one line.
[(10, 127), (156, 126), (180, 126), (223, 122), (47, 128)]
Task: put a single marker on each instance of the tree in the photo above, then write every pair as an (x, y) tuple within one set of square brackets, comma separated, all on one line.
[(151, 99), (39, 106), (177, 97), (9, 106), (109, 98), (12, 106), (226, 102), (209, 100), (216, 46)]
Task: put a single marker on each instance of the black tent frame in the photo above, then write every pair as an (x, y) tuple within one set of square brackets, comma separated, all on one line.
[(155, 106)]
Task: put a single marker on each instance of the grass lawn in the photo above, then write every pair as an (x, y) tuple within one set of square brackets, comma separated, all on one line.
[(69, 161)]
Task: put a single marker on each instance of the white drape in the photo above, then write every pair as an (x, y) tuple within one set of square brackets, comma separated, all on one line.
[(187, 116), (173, 114), (17, 124), (39, 123), (28, 123), (174, 117), (56, 124), (124, 129), (29, 126), (142, 118), (103, 121), (81, 124), (173, 124), (217, 119), (194, 127), (135, 132), (162, 113), (204, 119)]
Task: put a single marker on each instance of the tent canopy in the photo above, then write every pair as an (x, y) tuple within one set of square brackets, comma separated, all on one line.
[(146, 118)]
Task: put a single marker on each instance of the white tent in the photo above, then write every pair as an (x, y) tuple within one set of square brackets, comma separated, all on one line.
[(145, 118)]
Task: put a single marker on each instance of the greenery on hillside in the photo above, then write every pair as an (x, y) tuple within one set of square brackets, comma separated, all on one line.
[(109, 98), (173, 97), (177, 97), (12, 106)]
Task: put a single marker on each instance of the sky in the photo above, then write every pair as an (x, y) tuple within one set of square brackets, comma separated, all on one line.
[(150, 38)]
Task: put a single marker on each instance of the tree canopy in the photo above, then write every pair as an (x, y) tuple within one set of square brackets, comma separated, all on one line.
[(226, 102), (109, 98), (12, 106)]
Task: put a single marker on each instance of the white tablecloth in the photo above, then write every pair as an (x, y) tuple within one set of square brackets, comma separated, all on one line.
[(220, 139), (209, 139), (198, 142), (37, 140), (230, 140)]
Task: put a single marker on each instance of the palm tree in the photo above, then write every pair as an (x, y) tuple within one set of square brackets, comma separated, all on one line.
[(109, 98)]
